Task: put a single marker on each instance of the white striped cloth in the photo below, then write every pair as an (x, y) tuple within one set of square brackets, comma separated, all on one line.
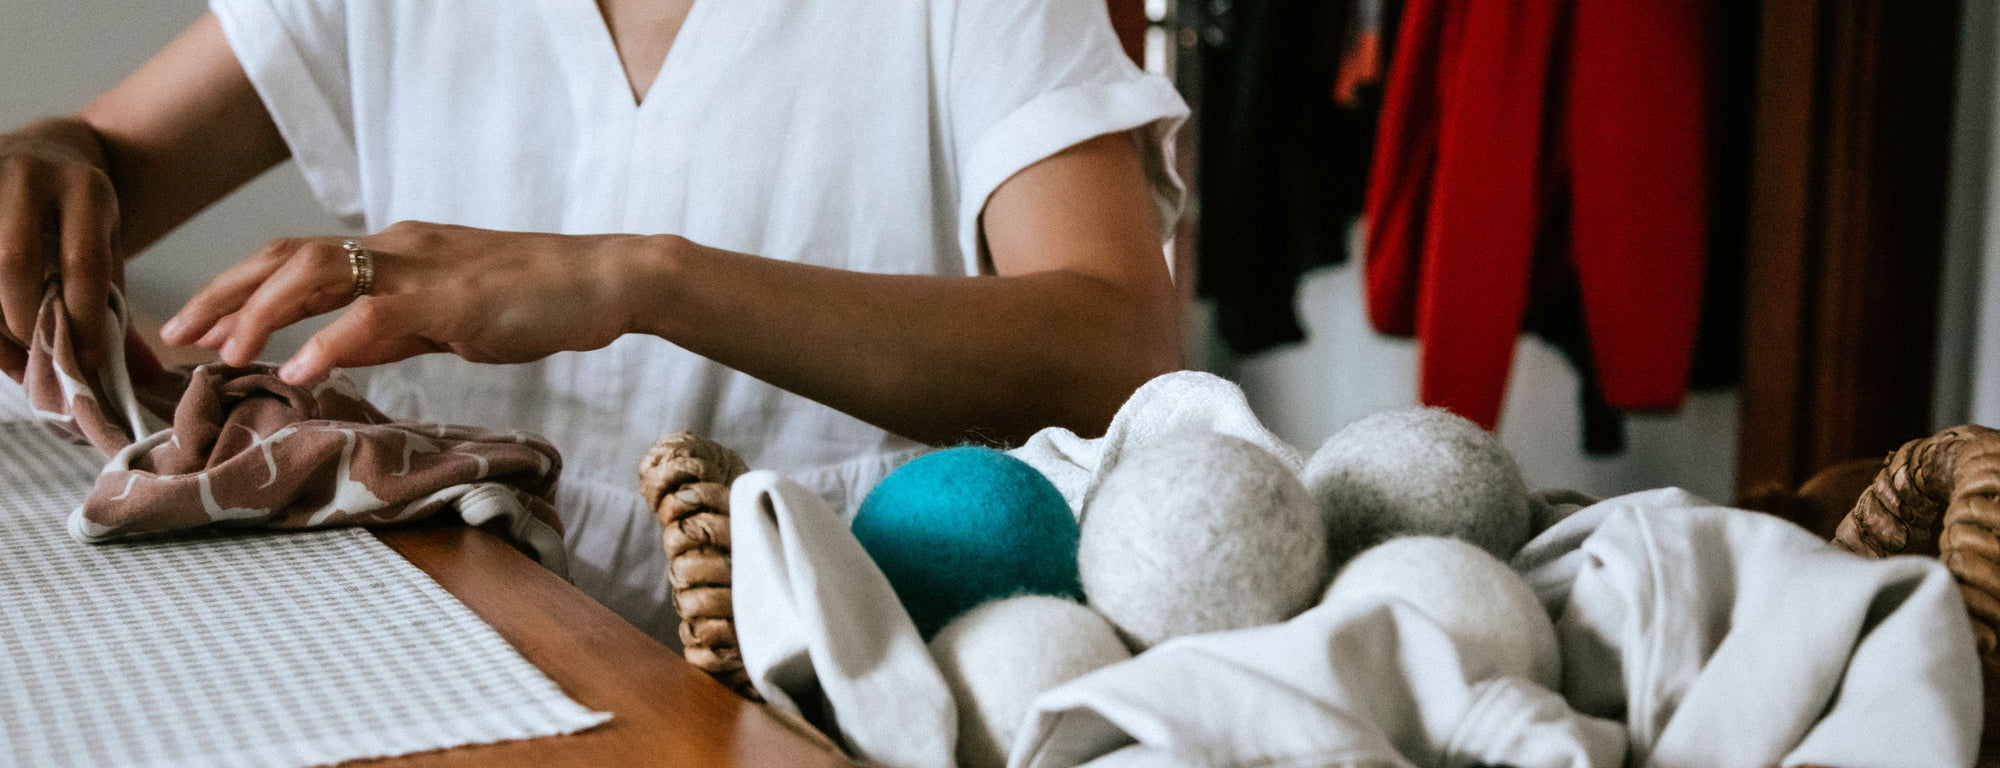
[(258, 650)]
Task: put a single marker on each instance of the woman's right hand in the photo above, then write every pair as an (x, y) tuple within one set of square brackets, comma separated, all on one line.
[(58, 223)]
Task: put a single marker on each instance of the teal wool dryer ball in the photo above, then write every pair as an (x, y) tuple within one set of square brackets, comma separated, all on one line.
[(962, 526)]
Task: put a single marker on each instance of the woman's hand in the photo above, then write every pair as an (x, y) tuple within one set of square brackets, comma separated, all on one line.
[(78, 195), (492, 297), (58, 220)]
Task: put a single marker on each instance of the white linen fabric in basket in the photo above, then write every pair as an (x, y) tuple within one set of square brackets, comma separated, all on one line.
[(1691, 635), (264, 650)]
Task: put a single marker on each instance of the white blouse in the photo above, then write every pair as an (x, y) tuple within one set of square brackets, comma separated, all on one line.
[(859, 135)]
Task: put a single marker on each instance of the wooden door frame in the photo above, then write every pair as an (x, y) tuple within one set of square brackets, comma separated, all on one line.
[(1846, 235)]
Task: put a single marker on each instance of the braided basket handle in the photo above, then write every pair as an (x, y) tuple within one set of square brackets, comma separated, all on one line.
[(685, 480), (1957, 473)]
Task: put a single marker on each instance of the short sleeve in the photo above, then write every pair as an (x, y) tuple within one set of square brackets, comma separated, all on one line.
[(1025, 79), (295, 52)]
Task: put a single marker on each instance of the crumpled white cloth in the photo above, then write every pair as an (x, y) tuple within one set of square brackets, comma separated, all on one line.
[(1691, 634), (1732, 638), (1366, 682), (1719, 637), (817, 621)]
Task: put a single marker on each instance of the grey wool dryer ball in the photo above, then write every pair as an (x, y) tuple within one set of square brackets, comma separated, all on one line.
[(1422, 471), (1199, 532), (1001, 655)]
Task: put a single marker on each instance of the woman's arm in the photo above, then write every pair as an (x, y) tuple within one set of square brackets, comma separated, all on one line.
[(80, 194), (1080, 313)]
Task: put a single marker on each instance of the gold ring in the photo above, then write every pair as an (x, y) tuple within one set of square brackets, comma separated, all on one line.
[(362, 263)]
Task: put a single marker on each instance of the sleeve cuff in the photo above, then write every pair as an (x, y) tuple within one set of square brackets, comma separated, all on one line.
[(1063, 118), (319, 137)]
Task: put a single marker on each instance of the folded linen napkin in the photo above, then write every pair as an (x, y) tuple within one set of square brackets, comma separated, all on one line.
[(822, 631), (237, 447)]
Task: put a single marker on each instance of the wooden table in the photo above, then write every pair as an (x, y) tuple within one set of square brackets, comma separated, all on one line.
[(664, 712)]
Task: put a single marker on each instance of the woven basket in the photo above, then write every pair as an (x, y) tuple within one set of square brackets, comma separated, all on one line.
[(685, 479), (1940, 496), (1951, 478)]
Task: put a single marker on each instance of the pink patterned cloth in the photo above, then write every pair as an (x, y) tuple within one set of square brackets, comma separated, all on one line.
[(237, 447)]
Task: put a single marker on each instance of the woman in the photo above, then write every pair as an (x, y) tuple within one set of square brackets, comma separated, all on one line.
[(821, 233)]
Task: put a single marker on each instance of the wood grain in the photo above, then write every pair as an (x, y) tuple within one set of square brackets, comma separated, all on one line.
[(1851, 158), (665, 712)]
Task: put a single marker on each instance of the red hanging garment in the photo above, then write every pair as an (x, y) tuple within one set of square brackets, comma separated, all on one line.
[(1573, 130)]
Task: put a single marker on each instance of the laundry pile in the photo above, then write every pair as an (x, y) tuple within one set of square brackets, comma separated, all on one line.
[(1433, 612), (228, 447)]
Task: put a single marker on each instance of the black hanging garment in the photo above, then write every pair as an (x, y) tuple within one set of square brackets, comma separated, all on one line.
[(1283, 168)]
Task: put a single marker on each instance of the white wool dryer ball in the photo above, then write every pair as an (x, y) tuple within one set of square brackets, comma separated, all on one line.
[(1486, 608), (1419, 471), (1001, 655), (1199, 532)]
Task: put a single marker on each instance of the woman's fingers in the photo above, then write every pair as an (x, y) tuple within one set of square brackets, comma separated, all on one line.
[(375, 330), (58, 221), (487, 296), (218, 333), (88, 221), (21, 268), (308, 284), (224, 295)]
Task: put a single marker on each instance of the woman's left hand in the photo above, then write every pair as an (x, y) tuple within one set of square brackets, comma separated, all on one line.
[(486, 296)]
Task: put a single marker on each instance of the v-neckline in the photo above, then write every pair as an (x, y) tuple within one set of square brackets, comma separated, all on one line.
[(607, 45)]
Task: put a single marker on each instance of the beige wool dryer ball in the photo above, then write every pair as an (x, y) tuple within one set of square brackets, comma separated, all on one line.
[(1198, 532), (1001, 655), (1419, 471), (1487, 609)]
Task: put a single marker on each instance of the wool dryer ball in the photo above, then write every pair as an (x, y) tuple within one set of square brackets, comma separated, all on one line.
[(958, 527), (1490, 612), (1419, 471), (1199, 532), (999, 656)]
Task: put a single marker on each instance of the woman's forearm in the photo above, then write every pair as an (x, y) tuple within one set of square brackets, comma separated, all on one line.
[(1082, 311), (938, 359)]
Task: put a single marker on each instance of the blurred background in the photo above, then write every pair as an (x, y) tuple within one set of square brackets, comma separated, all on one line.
[(1849, 275)]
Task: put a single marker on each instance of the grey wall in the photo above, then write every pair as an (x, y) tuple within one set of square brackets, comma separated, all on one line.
[(56, 55), (1968, 376)]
